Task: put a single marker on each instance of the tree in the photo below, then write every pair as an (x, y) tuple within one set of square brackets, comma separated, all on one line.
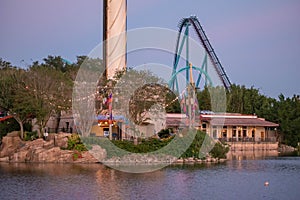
[(51, 91), (204, 99), (38, 92), (14, 96), (139, 91)]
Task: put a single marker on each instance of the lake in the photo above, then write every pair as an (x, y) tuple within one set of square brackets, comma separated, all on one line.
[(234, 179)]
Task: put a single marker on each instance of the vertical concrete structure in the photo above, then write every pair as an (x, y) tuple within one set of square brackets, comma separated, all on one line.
[(114, 36)]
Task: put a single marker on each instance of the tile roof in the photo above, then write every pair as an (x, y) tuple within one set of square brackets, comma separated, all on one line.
[(240, 122), (222, 119)]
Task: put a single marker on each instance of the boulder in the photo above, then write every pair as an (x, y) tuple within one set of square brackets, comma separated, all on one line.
[(4, 159), (10, 144), (98, 153), (20, 156), (180, 160), (208, 159), (61, 140), (87, 157)]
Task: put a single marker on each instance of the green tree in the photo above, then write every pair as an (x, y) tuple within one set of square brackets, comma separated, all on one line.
[(51, 91), (14, 96), (204, 99)]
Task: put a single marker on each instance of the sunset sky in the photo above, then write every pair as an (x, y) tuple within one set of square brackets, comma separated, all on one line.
[(257, 41)]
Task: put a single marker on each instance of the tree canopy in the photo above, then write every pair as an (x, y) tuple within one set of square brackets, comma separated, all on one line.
[(38, 92), (284, 111)]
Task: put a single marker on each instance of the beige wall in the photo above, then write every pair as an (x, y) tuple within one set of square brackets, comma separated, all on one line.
[(251, 146), (259, 131), (147, 131)]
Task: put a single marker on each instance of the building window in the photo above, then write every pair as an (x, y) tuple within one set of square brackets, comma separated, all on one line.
[(224, 132), (239, 132), (253, 133), (204, 127), (244, 131), (106, 132), (234, 131), (215, 132)]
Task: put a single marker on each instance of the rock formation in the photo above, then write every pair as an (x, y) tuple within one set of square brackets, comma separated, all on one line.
[(13, 149)]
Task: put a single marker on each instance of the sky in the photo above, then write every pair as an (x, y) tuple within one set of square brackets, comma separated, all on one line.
[(257, 41)]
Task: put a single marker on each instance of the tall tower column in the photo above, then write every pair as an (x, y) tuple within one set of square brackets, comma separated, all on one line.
[(114, 36)]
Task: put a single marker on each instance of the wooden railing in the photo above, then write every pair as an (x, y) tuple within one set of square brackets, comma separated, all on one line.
[(247, 139)]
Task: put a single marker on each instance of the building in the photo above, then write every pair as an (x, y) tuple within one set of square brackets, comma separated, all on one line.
[(241, 132), (228, 127), (100, 127), (234, 127)]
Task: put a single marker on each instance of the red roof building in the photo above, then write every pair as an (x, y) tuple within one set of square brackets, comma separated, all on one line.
[(229, 126)]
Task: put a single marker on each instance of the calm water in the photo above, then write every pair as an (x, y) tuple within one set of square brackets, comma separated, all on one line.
[(235, 179)]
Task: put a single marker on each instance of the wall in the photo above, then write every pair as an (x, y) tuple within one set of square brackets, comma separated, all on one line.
[(252, 146), (258, 132)]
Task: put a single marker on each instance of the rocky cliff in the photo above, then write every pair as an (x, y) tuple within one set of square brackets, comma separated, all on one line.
[(13, 149)]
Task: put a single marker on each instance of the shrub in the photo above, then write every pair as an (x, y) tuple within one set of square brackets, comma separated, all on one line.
[(74, 143), (31, 135), (219, 151), (153, 144), (165, 133), (8, 126)]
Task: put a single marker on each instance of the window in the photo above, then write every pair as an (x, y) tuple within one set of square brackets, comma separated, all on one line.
[(224, 132), (253, 133), (204, 127), (244, 131), (234, 131), (215, 132), (239, 133), (106, 132)]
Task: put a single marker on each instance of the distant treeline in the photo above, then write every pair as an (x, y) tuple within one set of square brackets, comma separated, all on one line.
[(285, 110)]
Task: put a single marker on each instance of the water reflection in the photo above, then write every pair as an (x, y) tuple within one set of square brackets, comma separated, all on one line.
[(251, 155), (235, 179)]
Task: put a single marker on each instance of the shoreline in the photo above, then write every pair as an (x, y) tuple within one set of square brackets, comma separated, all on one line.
[(53, 150)]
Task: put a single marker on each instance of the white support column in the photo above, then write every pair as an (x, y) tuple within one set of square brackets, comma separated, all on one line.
[(114, 35)]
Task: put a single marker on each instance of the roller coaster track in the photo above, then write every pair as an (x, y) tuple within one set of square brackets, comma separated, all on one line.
[(193, 20)]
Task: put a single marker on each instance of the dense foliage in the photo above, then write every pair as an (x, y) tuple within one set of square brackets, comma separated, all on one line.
[(197, 148), (74, 143), (284, 111), (41, 90)]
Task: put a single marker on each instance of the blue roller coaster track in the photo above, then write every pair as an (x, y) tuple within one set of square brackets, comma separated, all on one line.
[(194, 22)]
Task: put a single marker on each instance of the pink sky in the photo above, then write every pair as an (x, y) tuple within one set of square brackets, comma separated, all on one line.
[(248, 36)]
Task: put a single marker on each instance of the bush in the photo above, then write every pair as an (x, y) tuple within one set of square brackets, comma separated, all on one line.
[(194, 148), (30, 135), (11, 125), (74, 143), (219, 151), (146, 146), (152, 144), (8, 126), (165, 133)]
